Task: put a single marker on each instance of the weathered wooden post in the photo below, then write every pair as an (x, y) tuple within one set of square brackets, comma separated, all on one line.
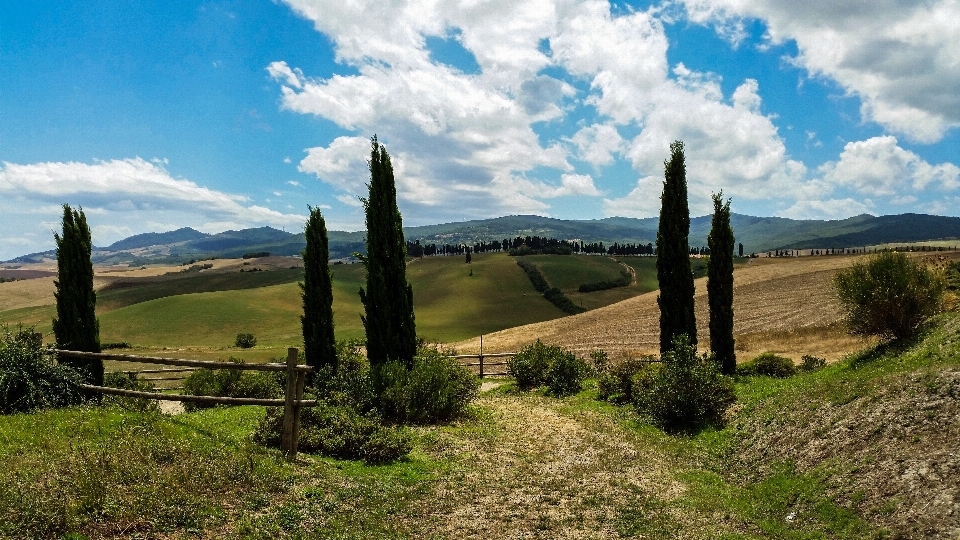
[(291, 406), (481, 356)]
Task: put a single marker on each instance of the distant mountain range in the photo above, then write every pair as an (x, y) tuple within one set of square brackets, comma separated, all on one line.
[(758, 234)]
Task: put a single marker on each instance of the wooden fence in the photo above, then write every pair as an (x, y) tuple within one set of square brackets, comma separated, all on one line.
[(292, 401)]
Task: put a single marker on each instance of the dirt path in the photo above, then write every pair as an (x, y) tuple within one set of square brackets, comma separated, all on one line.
[(628, 268), (547, 467)]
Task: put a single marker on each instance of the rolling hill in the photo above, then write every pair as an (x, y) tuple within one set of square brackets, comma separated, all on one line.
[(757, 234)]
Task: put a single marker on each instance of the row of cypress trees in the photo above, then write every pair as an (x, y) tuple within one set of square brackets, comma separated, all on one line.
[(387, 299), (676, 303)]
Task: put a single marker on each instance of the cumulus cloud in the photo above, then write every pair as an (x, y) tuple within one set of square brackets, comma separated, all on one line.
[(124, 197), (900, 58), (642, 201), (826, 209), (469, 138), (880, 167)]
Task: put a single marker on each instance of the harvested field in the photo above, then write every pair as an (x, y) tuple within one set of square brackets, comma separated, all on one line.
[(774, 299)]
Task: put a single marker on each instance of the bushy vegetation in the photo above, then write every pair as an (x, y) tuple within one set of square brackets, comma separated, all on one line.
[(684, 391), (245, 341), (553, 295), (30, 378), (362, 408), (615, 381), (889, 296), (129, 381), (232, 383), (770, 365), (539, 364), (339, 431), (436, 389), (812, 363), (622, 281)]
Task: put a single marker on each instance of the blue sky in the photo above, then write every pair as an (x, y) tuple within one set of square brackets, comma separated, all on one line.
[(226, 115)]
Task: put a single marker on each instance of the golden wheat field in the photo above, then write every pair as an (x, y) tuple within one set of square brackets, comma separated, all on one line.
[(783, 305)]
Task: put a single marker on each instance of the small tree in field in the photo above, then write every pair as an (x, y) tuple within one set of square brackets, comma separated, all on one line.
[(76, 326), (388, 298), (888, 296), (720, 286), (319, 344)]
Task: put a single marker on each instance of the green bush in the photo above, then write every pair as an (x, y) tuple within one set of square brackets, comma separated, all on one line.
[(30, 379), (232, 383), (437, 389), (684, 391), (129, 381), (811, 363), (529, 366), (615, 384), (245, 341), (888, 296), (768, 364), (339, 431), (566, 374)]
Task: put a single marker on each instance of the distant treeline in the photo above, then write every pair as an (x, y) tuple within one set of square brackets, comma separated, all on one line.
[(539, 245), (853, 251)]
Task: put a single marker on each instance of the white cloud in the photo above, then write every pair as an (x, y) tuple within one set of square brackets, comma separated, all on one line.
[(597, 144), (642, 201), (293, 183), (120, 198), (342, 164), (349, 200), (900, 58), (825, 209), (879, 166)]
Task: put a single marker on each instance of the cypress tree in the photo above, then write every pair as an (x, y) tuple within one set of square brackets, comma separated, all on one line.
[(720, 285), (319, 345), (76, 326), (388, 298), (673, 254)]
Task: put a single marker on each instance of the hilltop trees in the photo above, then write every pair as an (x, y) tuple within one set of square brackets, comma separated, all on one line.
[(76, 326), (388, 298), (319, 344), (673, 260), (720, 285)]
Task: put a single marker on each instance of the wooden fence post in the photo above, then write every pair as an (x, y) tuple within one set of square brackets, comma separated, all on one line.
[(291, 408), (481, 356)]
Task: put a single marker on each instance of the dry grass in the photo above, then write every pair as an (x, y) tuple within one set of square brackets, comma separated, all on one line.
[(773, 299)]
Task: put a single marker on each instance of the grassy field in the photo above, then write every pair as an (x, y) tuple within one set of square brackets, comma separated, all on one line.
[(864, 448), (204, 312)]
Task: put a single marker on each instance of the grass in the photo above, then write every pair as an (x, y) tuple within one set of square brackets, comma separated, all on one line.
[(453, 301), (520, 465)]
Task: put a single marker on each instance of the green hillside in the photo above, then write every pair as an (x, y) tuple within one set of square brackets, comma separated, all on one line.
[(450, 303)]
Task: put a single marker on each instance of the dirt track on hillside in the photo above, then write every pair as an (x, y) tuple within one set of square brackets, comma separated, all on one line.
[(770, 296)]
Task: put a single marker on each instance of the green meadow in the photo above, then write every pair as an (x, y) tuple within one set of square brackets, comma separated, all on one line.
[(453, 301)]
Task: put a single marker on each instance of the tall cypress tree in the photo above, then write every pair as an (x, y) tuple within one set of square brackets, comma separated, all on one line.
[(673, 254), (319, 344), (720, 285), (388, 298), (76, 326)]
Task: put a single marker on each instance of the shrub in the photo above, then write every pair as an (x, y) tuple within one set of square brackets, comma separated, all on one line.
[(615, 384), (888, 296), (29, 377), (623, 281), (684, 391), (121, 379), (556, 297), (566, 374), (529, 366), (339, 431), (811, 363), (246, 341), (768, 364), (437, 389), (536, 278), (232, 383)]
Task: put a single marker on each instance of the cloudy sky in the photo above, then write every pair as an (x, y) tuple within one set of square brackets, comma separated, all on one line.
[(155, 115)]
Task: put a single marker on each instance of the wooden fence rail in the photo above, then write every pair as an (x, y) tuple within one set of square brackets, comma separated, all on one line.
[(292, 400)]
